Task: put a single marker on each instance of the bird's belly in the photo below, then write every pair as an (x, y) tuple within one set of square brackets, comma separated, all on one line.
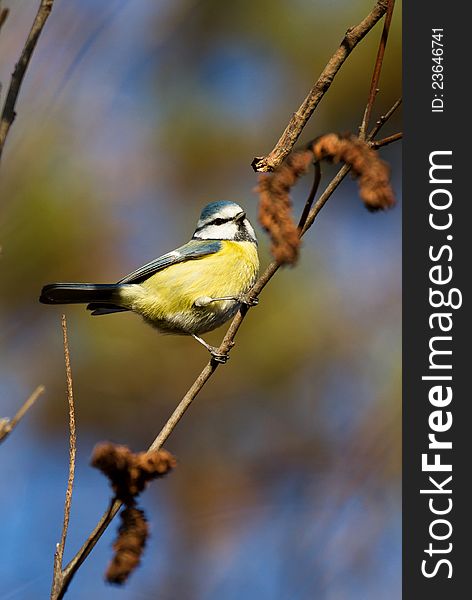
[(167, 299), (196, 320)]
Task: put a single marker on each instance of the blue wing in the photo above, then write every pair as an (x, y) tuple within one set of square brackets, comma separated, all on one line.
[(190, 251)]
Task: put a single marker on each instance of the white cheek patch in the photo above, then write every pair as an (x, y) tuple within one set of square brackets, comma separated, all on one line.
[(227, 231)]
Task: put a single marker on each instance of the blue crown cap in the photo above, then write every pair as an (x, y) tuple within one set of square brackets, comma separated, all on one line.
[(214, 207)]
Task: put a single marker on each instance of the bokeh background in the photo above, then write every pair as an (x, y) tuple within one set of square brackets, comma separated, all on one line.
[(133, 115)]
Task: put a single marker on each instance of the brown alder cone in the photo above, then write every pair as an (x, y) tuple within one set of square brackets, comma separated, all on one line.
[(128, 546), (275, 205), (129, 472), (372, 173)]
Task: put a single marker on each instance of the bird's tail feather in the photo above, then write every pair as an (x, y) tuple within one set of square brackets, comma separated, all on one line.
[(77, 293)]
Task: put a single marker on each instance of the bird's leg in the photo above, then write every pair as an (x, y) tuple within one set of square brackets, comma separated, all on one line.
[(220, 358), (242, 299), (249, 300)]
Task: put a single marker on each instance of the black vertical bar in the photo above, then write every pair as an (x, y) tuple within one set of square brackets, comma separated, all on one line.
[(437, 118)]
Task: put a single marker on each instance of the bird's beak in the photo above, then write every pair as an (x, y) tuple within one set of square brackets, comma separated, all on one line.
[(241, 216)]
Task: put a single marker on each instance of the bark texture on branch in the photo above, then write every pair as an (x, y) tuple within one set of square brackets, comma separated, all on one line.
[(299, 119), (8, 111)]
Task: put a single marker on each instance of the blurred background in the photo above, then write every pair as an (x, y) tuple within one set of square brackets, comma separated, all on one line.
[(133, 115)]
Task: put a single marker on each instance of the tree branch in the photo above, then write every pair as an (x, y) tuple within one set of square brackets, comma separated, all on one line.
[(7, 425), (383, 119), (387, 140), (344, 170), (8, 112), (299, 119), (3, 16), (377, 70), (58, 574), (311, 196)]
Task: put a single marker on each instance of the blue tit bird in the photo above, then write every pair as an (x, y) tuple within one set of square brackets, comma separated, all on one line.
[(189, 291)]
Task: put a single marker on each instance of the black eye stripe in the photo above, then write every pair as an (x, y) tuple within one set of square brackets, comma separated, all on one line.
[(217, 221)]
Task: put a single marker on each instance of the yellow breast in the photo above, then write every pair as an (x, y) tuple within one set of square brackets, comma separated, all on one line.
[(167, 299)]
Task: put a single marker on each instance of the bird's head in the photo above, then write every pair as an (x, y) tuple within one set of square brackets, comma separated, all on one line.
[(224, 221)]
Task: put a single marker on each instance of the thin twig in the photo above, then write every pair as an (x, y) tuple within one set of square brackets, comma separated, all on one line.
[(8, 112), (72, 436), (333, 184), (311, 196), (7, 425), (299, 119), (3, 16), (383, 119), (377, 70), (71, 569), (58, 574), (387, 140), (344, 170)]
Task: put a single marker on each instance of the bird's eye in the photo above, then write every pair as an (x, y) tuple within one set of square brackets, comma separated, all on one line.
[(219, 221)]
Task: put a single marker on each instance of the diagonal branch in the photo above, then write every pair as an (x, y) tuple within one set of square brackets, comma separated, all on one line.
[(228, 340), (8, 112), (384, 118), (311, 196), (7, 425), (344, 170), (387, 140), (3, 16), (299, 119)]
